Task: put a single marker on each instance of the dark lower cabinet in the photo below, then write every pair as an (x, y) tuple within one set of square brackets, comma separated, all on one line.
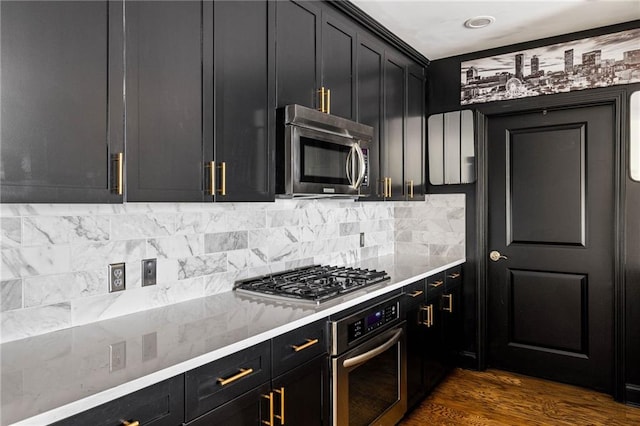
[(434, 332), (305, 392), (61, 100), (161, 404), (249, 409)]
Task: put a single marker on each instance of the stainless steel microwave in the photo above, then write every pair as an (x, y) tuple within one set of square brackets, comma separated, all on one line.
[(319, 154)]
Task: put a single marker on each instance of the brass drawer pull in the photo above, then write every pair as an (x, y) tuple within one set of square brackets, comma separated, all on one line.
[(270, 398), (223, 169), (450, 307), (212, 177), (309, 343), (436, 284), (243, 372), (117, 180), (429, 321), (416, 293), (126, 423), (410, 186), (454, 275), (281, 416)]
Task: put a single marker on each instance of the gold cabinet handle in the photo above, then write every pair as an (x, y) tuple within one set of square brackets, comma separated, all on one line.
[(410, 187), (243, 372), (436, 284), (321, 96), (389, 183), (223, 170), (416, 293), (281, 416), (429, 311), (270, 398), (328, 111), (386, 193), (134, 423), (450, 298), (309, 342), (118, 185), (454, 275), (212, 177)]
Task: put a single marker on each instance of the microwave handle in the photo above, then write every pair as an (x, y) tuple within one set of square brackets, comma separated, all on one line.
[(363, 166), (350, 164)]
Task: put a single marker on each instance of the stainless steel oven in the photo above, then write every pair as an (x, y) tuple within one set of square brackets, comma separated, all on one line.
[(321, 154), (368, 362)]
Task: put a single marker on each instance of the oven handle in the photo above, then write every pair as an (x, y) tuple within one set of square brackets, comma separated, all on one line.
[(361, 359)]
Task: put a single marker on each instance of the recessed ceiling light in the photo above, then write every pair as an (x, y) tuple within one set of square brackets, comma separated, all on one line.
[(479, 22)]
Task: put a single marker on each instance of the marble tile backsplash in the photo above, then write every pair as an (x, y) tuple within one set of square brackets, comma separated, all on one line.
[(53, 273)]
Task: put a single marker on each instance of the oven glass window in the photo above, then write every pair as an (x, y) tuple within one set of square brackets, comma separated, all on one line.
[(373, 387), (323, 162)]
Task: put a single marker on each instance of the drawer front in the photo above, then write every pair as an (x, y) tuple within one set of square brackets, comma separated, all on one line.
[(453, 277), (414, 294), (220, 381), (299, 346), (161, 404), (435, 284)]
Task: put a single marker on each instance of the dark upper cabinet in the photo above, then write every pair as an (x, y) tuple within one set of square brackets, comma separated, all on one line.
[(402, 146), (315, 49), (61, 101), (164, 92), (298, 28), (338, 62), (392, 147), (244, 73), (414, 144), (369, 77)]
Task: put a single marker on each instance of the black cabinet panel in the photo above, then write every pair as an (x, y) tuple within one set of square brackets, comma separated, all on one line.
[(164, 101), (414, 170), (298, 346), (393, 150), (244, 106), (338, 44), (369, 105), (249, 409), (61, 102), (297, 47), (206, 390), (306, 393), (161, 404)]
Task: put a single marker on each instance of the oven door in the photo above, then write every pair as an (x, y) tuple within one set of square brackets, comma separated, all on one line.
[(369, 381), (327, 163)]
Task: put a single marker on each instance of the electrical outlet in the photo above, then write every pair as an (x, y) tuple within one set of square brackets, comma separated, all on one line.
[(117, 356), (149, 346), (148, 272), (116, 277), (362, 239)]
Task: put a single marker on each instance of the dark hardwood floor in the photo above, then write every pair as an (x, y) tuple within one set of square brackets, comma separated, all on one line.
[(495, 397)]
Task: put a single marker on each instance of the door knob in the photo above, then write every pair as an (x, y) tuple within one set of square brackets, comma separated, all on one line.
[(495, 256)]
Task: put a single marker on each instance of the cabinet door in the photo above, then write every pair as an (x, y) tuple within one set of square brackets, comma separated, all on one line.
[(435, 355), (164, 92), (413, 304), (161, 404), (369, 105), (415, 136), (250, 409), (338, 46), (393, 149), (244, 105), (297, 52), (451, 307), (61, 100), (306, 394)]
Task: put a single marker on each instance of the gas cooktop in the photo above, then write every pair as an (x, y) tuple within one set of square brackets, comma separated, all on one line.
[(311, 284)]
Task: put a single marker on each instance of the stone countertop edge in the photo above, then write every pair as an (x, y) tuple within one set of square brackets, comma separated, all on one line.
[(413, 271)]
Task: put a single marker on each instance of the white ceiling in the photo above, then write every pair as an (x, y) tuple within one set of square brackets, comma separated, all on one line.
[(435, 27)]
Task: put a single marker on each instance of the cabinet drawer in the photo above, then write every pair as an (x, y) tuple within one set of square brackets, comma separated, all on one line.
[(435, 284), (158, 405), (299, 346), (413, 295), (453, 277), (220, 381)]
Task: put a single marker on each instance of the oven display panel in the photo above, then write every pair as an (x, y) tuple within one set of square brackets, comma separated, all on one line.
[(372, 321)]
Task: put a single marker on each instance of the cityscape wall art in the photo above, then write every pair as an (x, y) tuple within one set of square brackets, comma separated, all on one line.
[(587, 63)]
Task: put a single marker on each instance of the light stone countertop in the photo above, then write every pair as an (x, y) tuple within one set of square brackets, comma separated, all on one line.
[(50, 377)]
